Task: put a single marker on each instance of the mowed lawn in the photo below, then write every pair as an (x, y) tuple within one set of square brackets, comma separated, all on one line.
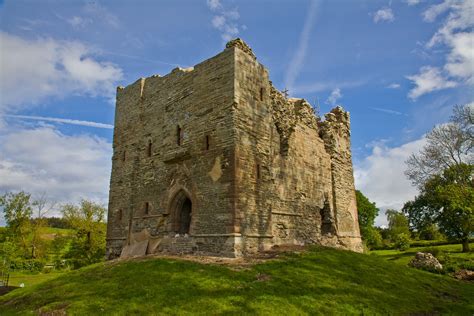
[(320, 281), (30, 279), (453, 252)]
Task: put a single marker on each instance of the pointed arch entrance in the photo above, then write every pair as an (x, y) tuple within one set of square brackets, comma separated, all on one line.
[(181, 208)]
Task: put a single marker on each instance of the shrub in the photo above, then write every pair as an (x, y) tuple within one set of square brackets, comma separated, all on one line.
[(31, 265), (372, 238), (402, 241)]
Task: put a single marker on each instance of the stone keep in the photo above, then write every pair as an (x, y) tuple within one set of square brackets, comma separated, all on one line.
[(214, 160)]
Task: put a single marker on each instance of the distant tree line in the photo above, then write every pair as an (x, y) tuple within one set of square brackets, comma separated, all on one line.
[(31, 240)]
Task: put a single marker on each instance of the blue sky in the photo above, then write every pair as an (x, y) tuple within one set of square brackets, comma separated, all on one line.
[(398, 66)]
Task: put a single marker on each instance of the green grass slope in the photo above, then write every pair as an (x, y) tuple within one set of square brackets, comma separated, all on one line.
[(320, 281)]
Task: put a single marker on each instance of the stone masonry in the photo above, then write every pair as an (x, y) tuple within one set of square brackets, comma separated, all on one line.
[(213, 160)]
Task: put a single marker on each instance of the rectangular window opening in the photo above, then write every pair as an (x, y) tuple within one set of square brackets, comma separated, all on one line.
[(262, 91), (208, 145), (120, 215), (124, 155), (258, 171)]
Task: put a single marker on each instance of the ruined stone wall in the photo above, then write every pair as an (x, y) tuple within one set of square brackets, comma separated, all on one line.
[(260, 169), (283, 171), (293, 172), (335, 130), (150, 167)]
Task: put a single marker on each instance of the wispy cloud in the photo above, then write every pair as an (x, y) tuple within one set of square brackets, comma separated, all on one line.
[(319, 86), (296, 63), (100, 13), (412, 2), (334, 96), (388, 111), (393, 86), (225, 20), (61, 120), (384, 15)]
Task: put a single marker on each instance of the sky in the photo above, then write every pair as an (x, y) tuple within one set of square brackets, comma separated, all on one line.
[(398, 67)]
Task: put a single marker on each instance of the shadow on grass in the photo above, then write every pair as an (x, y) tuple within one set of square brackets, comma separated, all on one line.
[(321, 281)]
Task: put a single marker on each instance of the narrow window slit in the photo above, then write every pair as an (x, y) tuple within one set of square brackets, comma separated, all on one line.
[(208, 145), (179, 135), (149, 148), (262, 92)]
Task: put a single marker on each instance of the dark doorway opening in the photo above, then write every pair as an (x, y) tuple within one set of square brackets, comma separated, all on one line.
[(182, 214), (185, 217)]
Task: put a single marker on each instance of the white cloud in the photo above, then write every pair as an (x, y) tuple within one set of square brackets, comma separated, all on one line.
[(61, 120), (460, 61), (384, 15), (218, 21), (65, 167), (225, 20), (32, 70), (412, 2), (429, 79), (381, 178), (296, 62), (393, 86), (214, 4), (334, 96), (456, 33), (434, 11)]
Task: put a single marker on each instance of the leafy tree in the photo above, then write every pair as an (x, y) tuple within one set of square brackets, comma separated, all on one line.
[(430, 232), (443, 172), (88, 221), (17, 210), (367, 212), (42, 205), (397, 224), (448, 201), (447, 145)]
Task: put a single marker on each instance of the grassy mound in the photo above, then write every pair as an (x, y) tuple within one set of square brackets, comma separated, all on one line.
[(320, 281)]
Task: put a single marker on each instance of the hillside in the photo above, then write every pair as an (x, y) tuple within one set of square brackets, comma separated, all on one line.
[(319, 281)]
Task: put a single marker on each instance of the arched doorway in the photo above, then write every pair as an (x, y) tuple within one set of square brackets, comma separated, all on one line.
[(182, 213)]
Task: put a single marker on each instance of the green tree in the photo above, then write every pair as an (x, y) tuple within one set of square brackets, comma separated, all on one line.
[(397, 224), (443, 172), (88, 221), (367, 212), (448, 201), (17, 210)]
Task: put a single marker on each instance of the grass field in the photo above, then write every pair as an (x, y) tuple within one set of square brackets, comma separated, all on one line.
[(320, 281), (30, 279), (452, 254)]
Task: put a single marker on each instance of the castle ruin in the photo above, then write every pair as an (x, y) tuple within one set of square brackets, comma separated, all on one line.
[(214, 160)]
